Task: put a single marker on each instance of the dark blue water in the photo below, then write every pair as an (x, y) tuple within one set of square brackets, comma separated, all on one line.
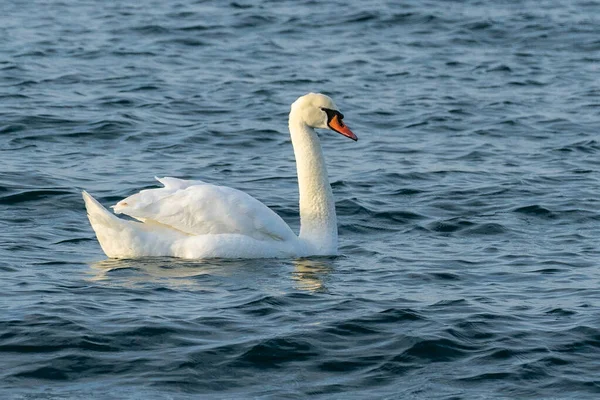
[(469, 209)]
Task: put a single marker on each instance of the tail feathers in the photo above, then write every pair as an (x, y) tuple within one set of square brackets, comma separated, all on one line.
[(109, 229), (97, 213), (121, 238)]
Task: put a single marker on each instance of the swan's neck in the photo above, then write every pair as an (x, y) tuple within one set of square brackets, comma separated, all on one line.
[(318, 223)]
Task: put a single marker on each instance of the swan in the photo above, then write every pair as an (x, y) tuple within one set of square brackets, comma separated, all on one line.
[(196, 220)]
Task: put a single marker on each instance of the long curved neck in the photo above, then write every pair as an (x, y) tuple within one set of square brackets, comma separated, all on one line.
[(318, 222)]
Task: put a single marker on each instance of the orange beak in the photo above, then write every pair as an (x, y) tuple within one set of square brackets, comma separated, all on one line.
[(337, 125)]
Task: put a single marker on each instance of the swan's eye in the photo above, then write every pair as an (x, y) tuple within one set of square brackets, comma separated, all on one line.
[(332, 113)]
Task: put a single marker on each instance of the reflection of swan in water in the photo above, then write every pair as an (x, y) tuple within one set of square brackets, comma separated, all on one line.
[(146, 270), (307, 274), (310, 272)]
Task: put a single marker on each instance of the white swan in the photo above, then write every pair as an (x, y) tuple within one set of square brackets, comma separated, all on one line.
[(194, 219)]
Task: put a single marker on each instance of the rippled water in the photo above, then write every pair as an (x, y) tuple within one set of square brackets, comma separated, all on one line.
[(468, 210)]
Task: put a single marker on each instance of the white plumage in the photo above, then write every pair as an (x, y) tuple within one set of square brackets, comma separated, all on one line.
[(199, 208)]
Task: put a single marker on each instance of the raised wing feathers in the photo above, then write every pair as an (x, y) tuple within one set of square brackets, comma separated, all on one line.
[(199, 208)]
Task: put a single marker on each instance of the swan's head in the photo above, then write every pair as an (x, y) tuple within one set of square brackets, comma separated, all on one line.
[(319, 111)]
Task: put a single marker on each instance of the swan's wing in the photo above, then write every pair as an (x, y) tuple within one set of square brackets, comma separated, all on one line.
[(149, 196), (176, 183), (199, 208)]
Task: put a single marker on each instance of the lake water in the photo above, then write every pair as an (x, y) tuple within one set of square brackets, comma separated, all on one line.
[(468, 210)]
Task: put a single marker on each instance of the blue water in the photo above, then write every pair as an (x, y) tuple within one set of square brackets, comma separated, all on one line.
[(469, 211)]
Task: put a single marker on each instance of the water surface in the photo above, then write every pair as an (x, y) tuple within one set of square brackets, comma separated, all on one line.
[(468, 210)]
